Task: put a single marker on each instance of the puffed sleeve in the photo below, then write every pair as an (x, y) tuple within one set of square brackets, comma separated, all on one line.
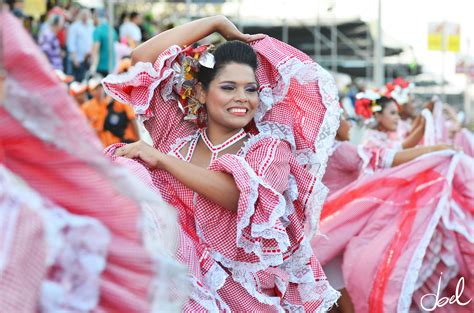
[(374, 159), (148, 89)]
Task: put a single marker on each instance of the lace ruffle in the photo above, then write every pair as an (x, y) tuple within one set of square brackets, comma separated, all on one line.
[(76, 250), (245, 272), (61, 126), (209, 299), (413, 270), (154, 75)]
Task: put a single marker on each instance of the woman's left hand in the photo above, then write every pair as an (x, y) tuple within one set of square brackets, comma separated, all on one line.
[(142, 151), (230, 32)]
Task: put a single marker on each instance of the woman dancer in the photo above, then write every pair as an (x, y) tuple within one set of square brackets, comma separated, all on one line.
[(246, 184), (386, 116)]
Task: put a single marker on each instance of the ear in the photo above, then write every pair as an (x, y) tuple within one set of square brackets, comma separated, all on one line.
[(201, 93)]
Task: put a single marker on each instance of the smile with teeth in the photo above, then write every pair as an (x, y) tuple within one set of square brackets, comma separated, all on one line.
[(237, 110)]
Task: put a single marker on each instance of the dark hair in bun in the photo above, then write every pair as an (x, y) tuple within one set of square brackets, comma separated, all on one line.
[(228, 52)]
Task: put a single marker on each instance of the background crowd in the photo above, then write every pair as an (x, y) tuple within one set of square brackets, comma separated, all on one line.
[(83, 48)]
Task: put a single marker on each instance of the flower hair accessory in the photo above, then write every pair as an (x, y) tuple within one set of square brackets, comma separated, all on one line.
[(366, 104), (398, 90), (185, 79)]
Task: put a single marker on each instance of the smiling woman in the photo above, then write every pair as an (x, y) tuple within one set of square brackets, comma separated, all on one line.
[(235, 135)]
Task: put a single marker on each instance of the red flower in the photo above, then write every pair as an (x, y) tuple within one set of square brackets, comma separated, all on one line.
[(362, 108), (401, 82)]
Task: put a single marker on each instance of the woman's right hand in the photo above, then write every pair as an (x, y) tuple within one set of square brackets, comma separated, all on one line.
[(230, 32), (142, 151), (441, 147)]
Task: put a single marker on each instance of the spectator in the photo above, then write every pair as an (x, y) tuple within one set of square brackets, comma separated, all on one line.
[(131, 30), (79, 44), (49, 43), (78, 91), (123, 18), (113, 121), (149, 27), (103, 53)]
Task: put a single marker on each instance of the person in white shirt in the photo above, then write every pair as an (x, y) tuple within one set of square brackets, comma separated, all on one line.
[(131, 30), (79, 44)]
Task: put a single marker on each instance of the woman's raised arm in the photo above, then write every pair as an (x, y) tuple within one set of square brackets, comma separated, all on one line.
[(187, 34)]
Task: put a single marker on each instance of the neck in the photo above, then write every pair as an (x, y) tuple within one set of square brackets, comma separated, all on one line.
[(381, 128), (338, 138), (404, 116), (218, 135)]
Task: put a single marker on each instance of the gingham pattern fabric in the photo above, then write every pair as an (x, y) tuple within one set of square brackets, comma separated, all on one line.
[(297, 102), (45, 140), (257, 259), (23, 259)]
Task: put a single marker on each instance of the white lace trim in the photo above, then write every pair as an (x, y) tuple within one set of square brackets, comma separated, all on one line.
[(9, 212), (157, 74), (48, 123), (429, 137), (317, 162), (76, 247), (334, 147), (413, 269), (214, 279), (291, 194), (302, 274), (456, 219), (328, 297), (180, 141), (280, 131), (440, 250), (365, 160), (388, 157)]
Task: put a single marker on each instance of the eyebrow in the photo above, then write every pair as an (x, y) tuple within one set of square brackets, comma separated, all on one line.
[(233, 82)]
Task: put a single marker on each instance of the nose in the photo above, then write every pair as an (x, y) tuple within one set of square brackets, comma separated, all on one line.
[(240, 95)]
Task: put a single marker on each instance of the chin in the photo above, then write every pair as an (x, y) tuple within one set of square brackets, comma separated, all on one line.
[(236, 124)]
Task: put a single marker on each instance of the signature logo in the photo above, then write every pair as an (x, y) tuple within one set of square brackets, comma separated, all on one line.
[(435, 301)]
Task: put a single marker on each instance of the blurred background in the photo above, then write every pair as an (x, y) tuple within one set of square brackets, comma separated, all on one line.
[(364, 43)]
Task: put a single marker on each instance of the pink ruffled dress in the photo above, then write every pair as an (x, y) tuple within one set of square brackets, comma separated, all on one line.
[(399, 234), (259, 258), (348, 162), (77, 234), (441, 130)]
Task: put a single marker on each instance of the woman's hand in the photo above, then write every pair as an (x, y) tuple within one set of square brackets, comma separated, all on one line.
[(230, 32), (429, 105), (441, 147), (142, 151)]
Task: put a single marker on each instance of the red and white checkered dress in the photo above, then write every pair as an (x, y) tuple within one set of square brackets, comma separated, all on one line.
[(257, 259)]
